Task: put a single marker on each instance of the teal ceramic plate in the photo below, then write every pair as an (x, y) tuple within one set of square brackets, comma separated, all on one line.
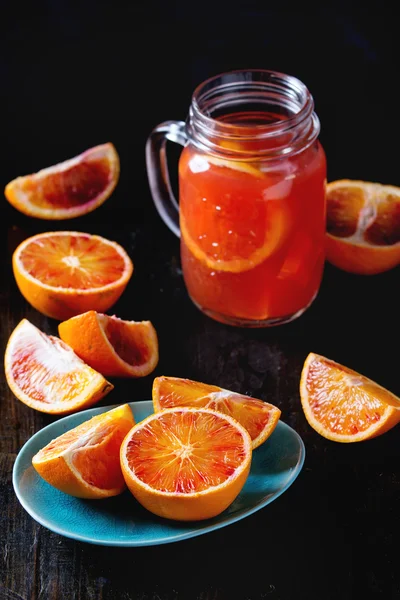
[(121, 521)]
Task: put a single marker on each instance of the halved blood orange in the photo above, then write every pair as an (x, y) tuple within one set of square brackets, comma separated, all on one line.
[(69, 189), (44, 373), (84, 462), (258, 417), (65, 273), (363, 226), (342, 405), (112, 346), (186, 463)]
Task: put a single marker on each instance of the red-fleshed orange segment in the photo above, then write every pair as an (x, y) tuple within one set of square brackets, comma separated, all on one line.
[(112, 346), (84, 461), (258, 417), (68, 189), (343, 405), (44, 373)]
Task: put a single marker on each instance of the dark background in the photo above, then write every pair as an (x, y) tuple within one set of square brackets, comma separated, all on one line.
[(76, 74)]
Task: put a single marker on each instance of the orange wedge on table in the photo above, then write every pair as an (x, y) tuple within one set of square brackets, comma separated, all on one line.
[(112, 346), (257, 417), (69, 189), (235, 231), (44, 373), (185, 463), (64, 273), (363, 226), (84, 462), (342, 405)]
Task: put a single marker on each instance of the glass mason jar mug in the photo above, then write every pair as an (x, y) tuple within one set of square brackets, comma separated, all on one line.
[(251, 212)]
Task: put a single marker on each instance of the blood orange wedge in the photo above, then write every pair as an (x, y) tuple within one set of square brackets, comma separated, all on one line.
[(114, 347), (363, 226), (44, 373), (257, 417), (342, 405), (185, 463), (69, 189), (65, 273), (84, 462)]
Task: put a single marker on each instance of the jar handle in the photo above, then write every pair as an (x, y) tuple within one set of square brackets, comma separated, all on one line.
[(157, 170)]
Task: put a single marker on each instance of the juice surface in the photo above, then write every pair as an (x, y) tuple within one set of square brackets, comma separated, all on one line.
[(253, 233)]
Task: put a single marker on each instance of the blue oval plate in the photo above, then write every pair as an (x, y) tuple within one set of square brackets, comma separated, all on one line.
[(121, 521)]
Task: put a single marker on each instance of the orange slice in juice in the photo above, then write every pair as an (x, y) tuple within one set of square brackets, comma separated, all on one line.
[(232, 221)]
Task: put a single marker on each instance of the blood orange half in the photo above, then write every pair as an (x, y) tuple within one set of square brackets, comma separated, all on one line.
[(65, 273), (186, 463)]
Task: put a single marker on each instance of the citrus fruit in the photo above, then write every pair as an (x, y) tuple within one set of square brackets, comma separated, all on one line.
[(257, 417), (236, 231), (84, 461), (44, 373), (186, 463), (114, 347), (69, 189), (363, 226), (64, 273), (342, 405)]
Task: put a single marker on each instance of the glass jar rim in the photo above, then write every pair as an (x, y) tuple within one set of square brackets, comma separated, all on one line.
[(285, 85)]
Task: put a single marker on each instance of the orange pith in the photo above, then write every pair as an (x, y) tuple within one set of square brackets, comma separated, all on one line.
[(363, 226), (257, 417), (112, 346), (44, 373), (186, 463), (235, 231), (343, 405), (65, 273), (84, 461), (69, 189)]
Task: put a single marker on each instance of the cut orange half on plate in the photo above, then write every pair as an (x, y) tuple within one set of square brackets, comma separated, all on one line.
[(363, 226), (186, 464), (112, 346), (85, 461), (342, 405), (65, 273), (69, 189), (257, 417), (44, 373)]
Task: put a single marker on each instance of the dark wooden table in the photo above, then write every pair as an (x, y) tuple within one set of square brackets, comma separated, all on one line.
[(71, 81)]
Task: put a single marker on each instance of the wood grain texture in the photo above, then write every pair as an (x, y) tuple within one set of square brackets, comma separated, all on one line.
[(344, 503)]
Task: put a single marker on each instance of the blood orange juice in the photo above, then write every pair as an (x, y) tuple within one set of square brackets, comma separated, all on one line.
[(252, 233), (251, 211)]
